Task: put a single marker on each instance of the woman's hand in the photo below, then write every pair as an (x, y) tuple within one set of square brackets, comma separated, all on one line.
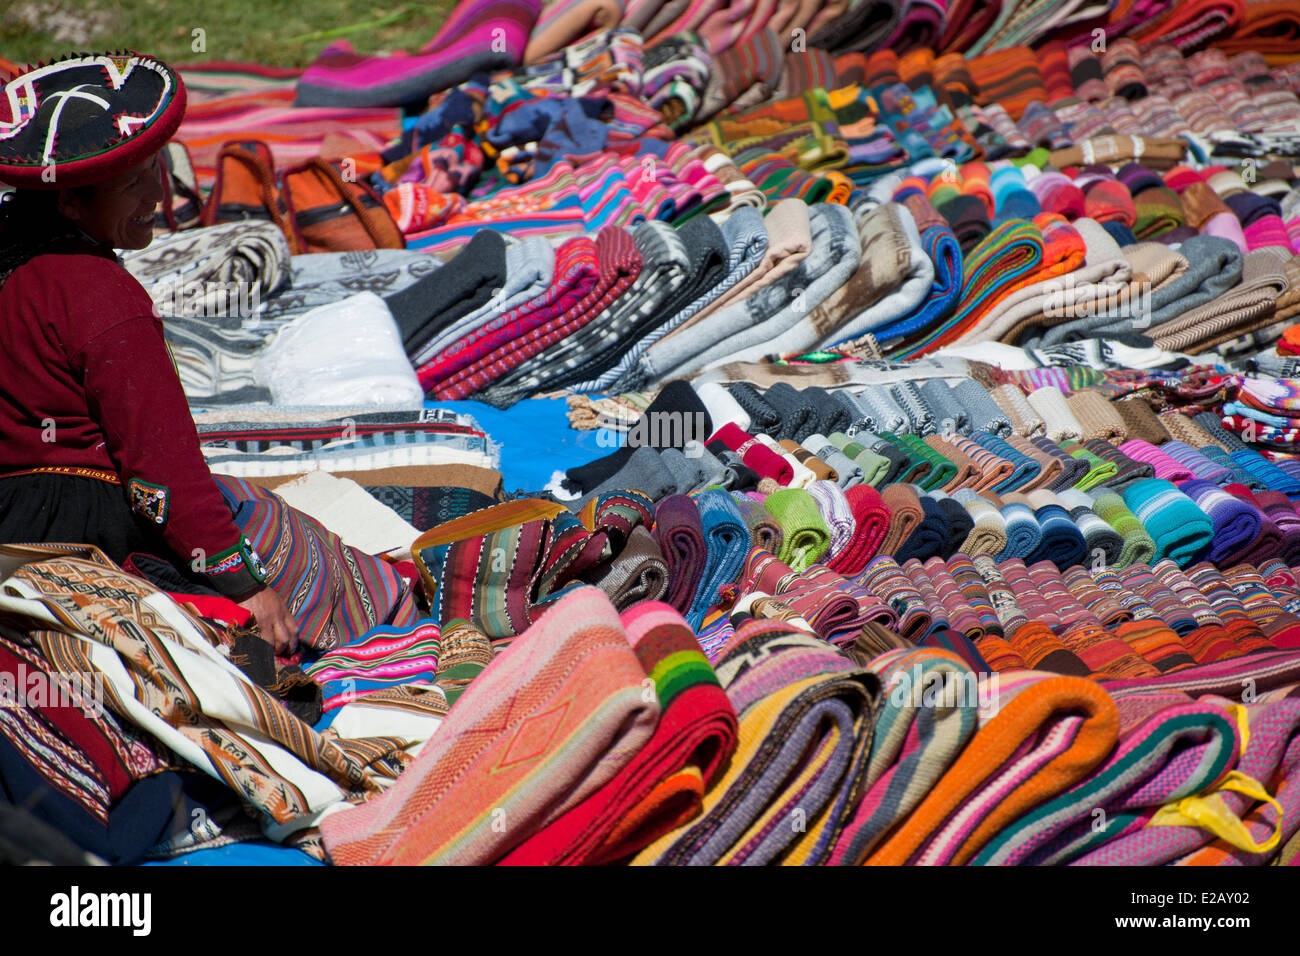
[(274, 622)]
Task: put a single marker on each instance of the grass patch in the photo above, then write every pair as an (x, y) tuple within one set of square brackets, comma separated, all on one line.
[(274, 32)]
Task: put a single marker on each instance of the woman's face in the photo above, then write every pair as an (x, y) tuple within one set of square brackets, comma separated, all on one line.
[(120, 212)]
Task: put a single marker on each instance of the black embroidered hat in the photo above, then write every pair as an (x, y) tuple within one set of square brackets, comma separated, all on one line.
[(85, 118)]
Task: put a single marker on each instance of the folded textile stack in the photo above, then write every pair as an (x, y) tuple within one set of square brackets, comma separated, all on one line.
[(933, 477)]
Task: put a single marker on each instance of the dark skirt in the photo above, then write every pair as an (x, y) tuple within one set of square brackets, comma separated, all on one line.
[(71, 509)]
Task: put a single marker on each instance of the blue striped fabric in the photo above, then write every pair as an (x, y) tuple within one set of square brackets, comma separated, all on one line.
[(941, 246), (1024, 534), (727, 537), (1182, 531), (1270, 474), (1026, 468), (1062, 543), (1198, 464), (989, 276)]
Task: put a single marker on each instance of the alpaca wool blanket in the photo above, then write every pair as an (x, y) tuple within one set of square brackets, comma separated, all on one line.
[(804, 535), (576, 273), (870, 524), (619, 263), (1181, 531), (865, 25), (929, 711), (746, 242), (381, 658), (1163, 835), (755, 298), (1186, 25), (680, 535), (479, 36), (530, 271), (777, 322), (1040, 736), (499, 568), (162, 674), (805, 724), (667, 273), (1271, 753), (727, 540), (128, 810), (568, 22), (708, 254), (1182, 749), (335, 592), (551, 721), (992, 270), (835, 608), (639, 572), (255, 255), (664, 784), (1138, 546), (1024, 533), (1237, 522)]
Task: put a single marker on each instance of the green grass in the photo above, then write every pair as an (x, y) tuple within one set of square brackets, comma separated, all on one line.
[(274, 32)]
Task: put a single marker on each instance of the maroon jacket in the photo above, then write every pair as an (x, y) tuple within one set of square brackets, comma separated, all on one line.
[(83, 362)]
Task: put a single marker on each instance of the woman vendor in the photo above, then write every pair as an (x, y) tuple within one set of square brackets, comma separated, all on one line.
[(97, 444)]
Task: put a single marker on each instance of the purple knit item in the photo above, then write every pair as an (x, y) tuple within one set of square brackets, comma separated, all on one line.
[(1201, 467), (680, 535), (1237, 523), (1279, 509)]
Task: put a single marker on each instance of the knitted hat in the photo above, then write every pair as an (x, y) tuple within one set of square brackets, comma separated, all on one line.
[(86, 117)]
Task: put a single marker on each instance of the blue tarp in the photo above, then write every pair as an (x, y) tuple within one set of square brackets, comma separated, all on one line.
[(243, 854), (535, 439)]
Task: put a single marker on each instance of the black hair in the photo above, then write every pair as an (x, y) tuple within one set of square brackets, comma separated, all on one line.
[(35, 211), (30, 221)]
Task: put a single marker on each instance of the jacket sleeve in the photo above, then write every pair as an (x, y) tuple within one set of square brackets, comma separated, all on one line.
[(136, 396)]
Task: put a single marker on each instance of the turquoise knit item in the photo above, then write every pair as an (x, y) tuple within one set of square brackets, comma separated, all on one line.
[(1181, 531)]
